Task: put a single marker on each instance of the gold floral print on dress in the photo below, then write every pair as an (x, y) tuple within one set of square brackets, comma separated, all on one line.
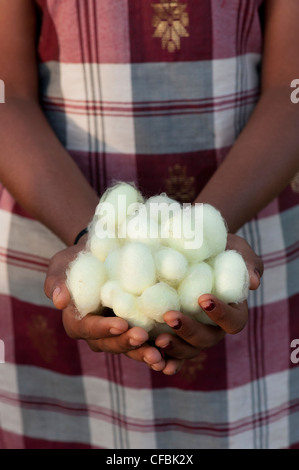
[(43, 338), (170, 21), (179, 185), (193, 367)]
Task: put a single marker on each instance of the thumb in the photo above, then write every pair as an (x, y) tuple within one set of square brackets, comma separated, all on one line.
[(61, 297), (55, 283)]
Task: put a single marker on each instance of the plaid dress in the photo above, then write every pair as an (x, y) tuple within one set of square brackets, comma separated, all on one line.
[(154, 92)]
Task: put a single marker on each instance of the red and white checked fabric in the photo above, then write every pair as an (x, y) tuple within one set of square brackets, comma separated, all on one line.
[(154, 92)]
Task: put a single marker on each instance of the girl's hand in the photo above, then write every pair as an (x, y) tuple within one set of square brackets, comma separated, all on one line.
[(102, 333), (193, 336), (112, 334)]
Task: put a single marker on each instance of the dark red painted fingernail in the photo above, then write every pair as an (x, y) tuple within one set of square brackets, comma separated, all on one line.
[(177, 325), (208, 306), (168, 347), (163, 354)]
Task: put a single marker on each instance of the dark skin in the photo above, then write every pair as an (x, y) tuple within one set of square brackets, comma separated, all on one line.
[(258, 167), (111, 334)]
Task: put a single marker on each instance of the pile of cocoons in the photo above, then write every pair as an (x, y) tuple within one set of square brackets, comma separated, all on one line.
[(140, 263)]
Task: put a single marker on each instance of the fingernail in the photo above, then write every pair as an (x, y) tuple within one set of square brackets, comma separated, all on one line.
[(116, 331), (208, 305), (257, 273), (56, 293), (148, 362), (135, 342), (167, 347), (176, 324), (155, 367), (163, 353)]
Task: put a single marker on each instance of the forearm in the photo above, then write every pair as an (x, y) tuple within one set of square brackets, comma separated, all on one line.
[(39, 173), (260, 164)]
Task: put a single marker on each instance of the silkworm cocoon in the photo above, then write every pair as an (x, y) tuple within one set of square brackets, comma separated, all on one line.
[(140, 227), (101, 245), (198, 281), (184, 233), (85, 277), (171, 265), (198, 232), (137, 269), (161, 207), (231, 278), (157, 300), (200, 271), (160, 198), (125, 306), (111, 264), (138, 319), (214, 231), (116, 203), (123, 303), (107, 292)]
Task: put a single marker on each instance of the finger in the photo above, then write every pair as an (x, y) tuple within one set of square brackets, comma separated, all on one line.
[(109, 334), (145, 353), (176, 347), (113, 345), (173, 366), (92, 326), (196, 334), (54, 285), (253, 262), (155, 360), (56, 290), (132, 339), (149, 355), (232, 318), (60, 296), (255, 270)]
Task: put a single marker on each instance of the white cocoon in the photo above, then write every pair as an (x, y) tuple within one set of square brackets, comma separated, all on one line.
[(145, 248), (111, 264), (125, 306), (184, 233), (208, 229), (198, 281), (123, 303), (157, 300), (159, 207), (171, 265), (214, 231), (139, 319), (85, 277), (137, 269), (107, 292), (140, 227), (231, 278), (118, 200), (101, 247)]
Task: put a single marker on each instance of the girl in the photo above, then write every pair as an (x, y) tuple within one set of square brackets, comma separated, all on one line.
[(191, 98)]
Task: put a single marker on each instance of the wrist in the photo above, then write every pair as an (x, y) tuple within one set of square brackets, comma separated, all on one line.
[(80, 235), (81, 224), (82, 241)]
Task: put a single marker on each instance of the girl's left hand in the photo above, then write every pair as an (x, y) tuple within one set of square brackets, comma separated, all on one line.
[(191, 336)]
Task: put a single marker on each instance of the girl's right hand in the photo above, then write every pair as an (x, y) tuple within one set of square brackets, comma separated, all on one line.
[(102, 333)]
